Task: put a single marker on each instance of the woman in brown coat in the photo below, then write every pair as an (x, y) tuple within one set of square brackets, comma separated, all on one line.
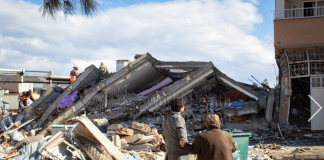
[(214, 144)]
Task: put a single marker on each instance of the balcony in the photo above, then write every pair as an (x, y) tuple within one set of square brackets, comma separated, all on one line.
[(299, 13), (298, 24), (299, 32)]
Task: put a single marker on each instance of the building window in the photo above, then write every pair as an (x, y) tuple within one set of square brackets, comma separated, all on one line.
[(316, 82), (297, 55), (317, 68), (309, 9), (320, 9), (316, 54), (299, 69)]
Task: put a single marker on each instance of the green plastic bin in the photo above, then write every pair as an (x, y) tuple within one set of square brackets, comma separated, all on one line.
[(242, 141)]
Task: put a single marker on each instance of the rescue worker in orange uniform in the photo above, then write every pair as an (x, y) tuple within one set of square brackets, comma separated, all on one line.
[(23, 98), (22, 101), (74, 74)]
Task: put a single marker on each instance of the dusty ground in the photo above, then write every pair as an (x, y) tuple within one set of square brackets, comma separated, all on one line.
[(284, 151), (274, 148)]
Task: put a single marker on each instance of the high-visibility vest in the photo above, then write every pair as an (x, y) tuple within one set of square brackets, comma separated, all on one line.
[(24, 98), (72, 73)]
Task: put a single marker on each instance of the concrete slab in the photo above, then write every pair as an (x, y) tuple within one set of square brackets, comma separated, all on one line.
[(250, 109), (179, 88), (96, 133), (91, 74)]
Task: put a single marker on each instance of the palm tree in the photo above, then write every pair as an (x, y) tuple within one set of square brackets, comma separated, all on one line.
[(69, 7)]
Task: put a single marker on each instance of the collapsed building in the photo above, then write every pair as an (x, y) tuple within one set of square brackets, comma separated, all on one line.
[(144, 88), (139, 92)]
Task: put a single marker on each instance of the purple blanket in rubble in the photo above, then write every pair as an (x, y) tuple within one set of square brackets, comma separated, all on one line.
[(68, 100)]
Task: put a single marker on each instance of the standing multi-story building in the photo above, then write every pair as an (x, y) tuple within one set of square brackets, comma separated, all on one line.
[(299, 52)]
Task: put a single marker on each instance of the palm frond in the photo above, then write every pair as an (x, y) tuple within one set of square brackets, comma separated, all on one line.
[(50, 7), (89, 7), (69, 7)]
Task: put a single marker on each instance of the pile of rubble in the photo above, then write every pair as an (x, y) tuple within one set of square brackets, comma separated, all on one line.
[(119, 115)]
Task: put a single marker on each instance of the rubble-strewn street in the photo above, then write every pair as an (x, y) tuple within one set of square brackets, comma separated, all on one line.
[(119, 115)]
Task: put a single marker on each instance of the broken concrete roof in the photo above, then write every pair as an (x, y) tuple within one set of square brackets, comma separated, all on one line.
[(223, 77), (179, 65), (91, 74), (179, 88), (142, 74)]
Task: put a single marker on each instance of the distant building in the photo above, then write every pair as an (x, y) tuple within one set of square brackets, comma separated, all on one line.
[(17, 87), (299, 52), (121, 64), (10, 92)]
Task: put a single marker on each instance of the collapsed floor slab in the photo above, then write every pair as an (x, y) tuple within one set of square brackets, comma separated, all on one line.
[(91, 74), (179, 88), (49, 96), (140, 71), (180, 65), (223, 77), (248, 109)]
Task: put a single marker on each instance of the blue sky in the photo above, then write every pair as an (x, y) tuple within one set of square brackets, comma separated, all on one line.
[(236, 35), (264, 28), (265, 7)]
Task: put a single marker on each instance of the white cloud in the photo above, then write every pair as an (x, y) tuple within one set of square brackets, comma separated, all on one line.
[(254, 1), (202, 30)]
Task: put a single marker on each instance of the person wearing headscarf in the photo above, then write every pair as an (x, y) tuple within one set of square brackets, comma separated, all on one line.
[(214, 144)]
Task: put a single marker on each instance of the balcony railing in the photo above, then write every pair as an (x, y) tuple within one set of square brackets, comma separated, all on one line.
[(299, 13)]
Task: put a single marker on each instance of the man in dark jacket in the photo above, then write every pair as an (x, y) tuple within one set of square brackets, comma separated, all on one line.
[(214, 144), (174, 131)]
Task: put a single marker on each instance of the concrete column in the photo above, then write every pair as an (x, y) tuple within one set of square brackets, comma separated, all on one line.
[(285, 88), (285, 94), (269, 108), (277, 103)]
